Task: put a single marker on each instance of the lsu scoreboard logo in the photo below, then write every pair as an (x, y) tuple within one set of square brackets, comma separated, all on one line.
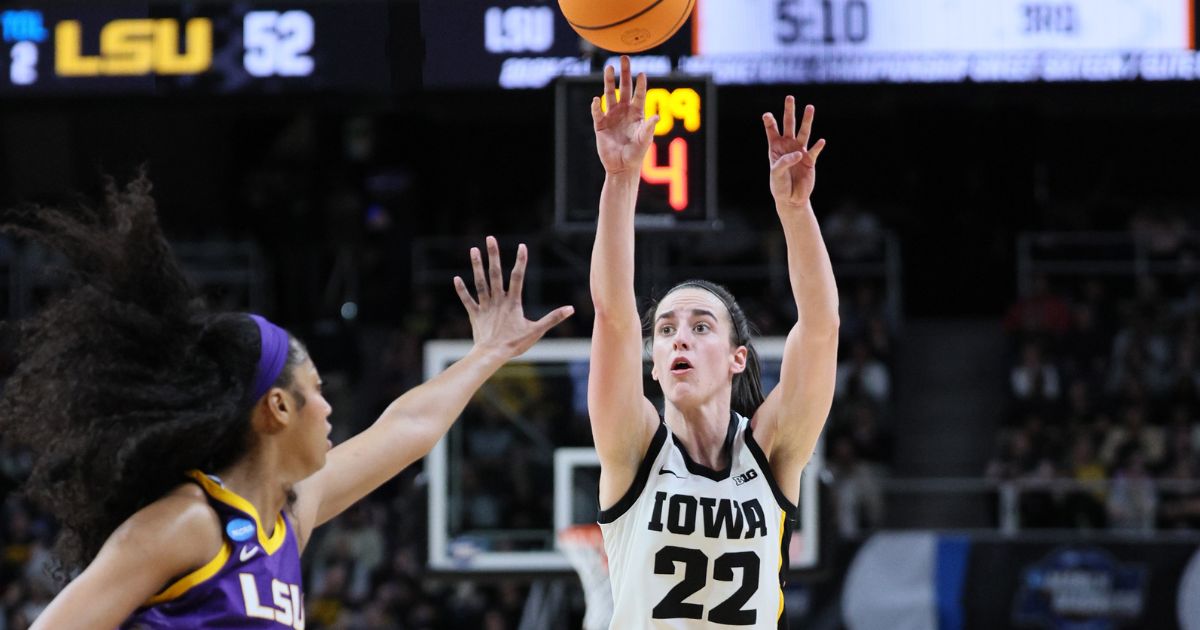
[(135, 47)]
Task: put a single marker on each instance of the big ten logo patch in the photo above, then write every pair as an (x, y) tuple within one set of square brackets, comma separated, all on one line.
[(744, 477)]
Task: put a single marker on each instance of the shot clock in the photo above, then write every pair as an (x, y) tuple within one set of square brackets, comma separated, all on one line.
[(678, 187)]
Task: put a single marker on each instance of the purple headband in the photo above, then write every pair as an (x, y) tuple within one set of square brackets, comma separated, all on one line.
[(272, 357)]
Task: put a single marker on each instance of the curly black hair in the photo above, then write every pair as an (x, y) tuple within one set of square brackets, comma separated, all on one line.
[(124, 380)]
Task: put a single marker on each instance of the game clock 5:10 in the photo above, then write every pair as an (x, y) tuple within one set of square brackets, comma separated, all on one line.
[(821, 22), (834, 22)]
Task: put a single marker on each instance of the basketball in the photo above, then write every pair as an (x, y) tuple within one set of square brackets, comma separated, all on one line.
[(626, 26)]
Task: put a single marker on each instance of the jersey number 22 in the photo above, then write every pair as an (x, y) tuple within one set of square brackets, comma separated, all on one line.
[(695, 574)]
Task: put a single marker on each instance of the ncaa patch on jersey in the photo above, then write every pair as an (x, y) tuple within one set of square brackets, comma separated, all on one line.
[(240, 529)]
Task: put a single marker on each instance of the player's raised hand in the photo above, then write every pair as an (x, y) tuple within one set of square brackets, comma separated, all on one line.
[(498, 317), (623, 133), (793, 163)]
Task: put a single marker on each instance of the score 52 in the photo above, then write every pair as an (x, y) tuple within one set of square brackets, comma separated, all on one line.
[(679, 105), (278, 43)]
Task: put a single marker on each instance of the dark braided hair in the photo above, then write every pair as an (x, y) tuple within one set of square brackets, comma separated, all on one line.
[(124, 380), (747, 393)]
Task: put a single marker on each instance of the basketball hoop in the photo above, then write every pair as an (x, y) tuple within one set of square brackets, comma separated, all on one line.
[(583, 545)]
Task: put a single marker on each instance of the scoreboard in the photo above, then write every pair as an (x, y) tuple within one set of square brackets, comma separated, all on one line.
[(940, 26), (527, 43), (167, 48), (515, 44), (678, 189), (807, 41)]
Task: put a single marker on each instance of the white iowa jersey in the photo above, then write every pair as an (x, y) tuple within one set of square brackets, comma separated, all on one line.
[(691, 547)]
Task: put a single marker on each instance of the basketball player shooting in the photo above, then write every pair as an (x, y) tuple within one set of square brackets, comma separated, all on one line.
[(697, 504), (185, 453)]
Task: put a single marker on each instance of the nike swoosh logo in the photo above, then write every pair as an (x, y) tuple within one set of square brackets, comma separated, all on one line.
[(248, 552), (664, 471)]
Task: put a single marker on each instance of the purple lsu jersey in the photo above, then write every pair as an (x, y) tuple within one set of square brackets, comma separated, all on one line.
[(253, 582)]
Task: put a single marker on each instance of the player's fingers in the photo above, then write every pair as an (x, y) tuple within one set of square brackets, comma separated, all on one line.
[(806, 125), (495, 273), (814, 152), (789, 117), (646, 132), (597, 110), (610, 87), (638, 102), (626, 77), (771, 126), (786, 161), (468, 303), (516, 280), (481, 285), (552, 319)]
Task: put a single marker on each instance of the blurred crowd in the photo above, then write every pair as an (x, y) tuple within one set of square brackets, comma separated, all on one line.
[(1104, 428), (858, 436)]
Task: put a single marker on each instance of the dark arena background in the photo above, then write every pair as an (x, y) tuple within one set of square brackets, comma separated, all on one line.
[(1009, 195)]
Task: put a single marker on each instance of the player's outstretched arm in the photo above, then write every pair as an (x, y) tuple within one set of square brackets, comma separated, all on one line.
[(790, 420), (623, 421), (413, 423)]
